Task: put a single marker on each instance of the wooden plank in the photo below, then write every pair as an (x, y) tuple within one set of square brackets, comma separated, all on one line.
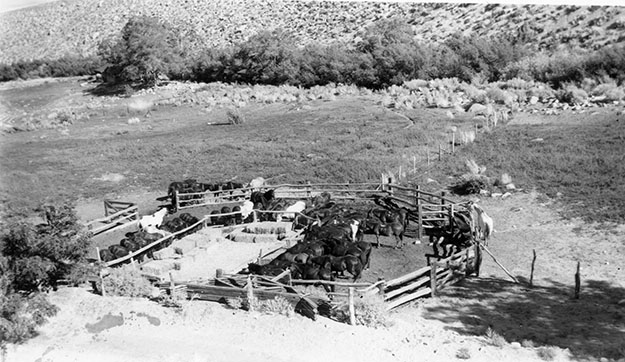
[(407, 298), (112, 216), (327, 282), (407, 277), (304, 304), (414, 285), (120, 221), (371, 287)]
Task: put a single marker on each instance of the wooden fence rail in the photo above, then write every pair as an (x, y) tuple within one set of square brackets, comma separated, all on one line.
[(124, 214)]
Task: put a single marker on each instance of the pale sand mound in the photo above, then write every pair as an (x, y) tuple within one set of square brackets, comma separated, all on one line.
[(211, 332)]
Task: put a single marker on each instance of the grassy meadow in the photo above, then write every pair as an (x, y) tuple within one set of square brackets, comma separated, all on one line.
[(349, 138)]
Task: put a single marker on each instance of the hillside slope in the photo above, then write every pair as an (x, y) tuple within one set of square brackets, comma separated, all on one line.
[(75, 27)]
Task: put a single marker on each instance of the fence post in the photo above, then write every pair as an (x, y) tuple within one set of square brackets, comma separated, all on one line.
[(478, 259), (352, 313), (577, 282), (427, 154), (451, 218), (433, 278), (466, 263), (97, 252), (419, 212), (381, 287), (453, 142), (255, 216), (174, 201), (308, 189), (440, 152), (532, 272)]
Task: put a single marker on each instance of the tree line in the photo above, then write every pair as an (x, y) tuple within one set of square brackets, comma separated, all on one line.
[(386, 53)]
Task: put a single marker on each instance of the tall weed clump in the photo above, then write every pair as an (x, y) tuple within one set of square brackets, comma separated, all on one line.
[(369, 310), (126, 281)]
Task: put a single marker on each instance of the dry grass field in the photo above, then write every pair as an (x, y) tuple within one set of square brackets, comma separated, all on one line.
[(100, 154)]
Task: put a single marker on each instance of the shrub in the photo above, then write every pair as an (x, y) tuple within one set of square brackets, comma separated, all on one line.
[(546, 353), (235, 117), (495, 338), (463, 353), (146, 50), (610, 91), (369, 310), (126, 281), (39, 256), (278, 305), (572, 95), (20, 315), (265, 58), (471, 186)]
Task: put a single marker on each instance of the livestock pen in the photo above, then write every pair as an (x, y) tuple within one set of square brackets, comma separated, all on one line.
[(425, 209)]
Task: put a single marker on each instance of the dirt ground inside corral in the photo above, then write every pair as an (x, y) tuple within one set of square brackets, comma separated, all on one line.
[(526, 324)]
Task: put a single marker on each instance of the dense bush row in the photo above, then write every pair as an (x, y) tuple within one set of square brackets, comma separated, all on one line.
[(63, 67), (385, 54)]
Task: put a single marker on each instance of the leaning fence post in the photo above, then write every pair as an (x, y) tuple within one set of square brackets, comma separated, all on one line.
[(577, 282), (478, 259), (352, 313)]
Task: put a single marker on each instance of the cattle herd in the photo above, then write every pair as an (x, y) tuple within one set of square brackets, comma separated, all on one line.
[(147, 234), (332, 243)]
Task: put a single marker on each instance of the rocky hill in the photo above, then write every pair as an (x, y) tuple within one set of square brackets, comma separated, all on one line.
[(75, 27)]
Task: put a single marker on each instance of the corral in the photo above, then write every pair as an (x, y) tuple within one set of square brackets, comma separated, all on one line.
[(205, 258)]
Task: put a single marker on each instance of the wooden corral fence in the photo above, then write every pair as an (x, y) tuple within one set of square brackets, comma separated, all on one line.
[(429, 280), (339, 191), (117, 214), (427, 209), (187, 200), (202, 223), (441, 272), (226, 288)]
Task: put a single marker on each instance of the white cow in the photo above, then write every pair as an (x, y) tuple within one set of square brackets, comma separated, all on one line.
[(297, 207), (153, 221), (257, 183)]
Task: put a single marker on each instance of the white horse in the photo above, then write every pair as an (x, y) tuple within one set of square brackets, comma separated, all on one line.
[(483, 223)]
